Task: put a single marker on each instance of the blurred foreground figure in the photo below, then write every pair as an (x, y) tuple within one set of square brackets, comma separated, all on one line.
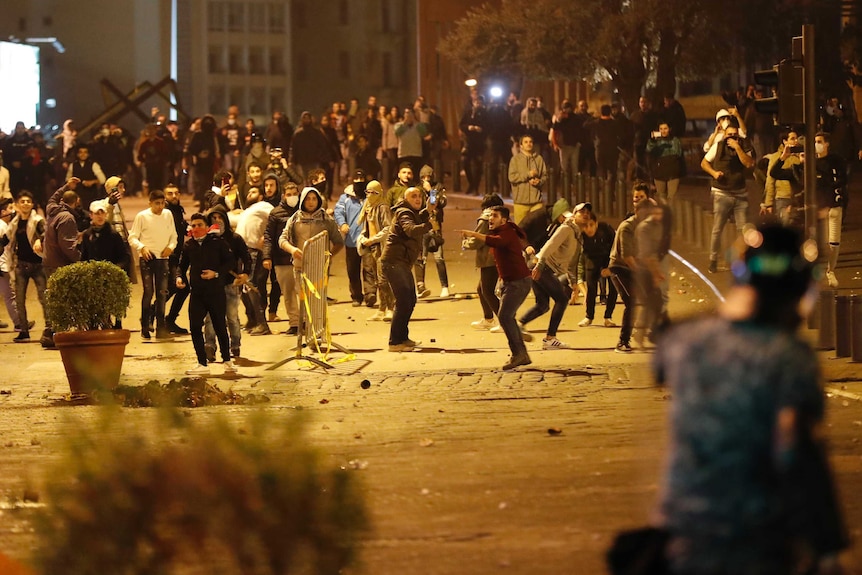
[(747, 487)]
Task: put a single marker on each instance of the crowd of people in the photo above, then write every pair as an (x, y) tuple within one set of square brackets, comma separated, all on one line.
[(262, 193)]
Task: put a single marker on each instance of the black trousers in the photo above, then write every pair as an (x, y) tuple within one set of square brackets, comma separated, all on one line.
[(209, 300), (354, 273)]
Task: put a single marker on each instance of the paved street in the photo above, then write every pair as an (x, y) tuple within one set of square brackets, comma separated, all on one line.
[(461, 472)]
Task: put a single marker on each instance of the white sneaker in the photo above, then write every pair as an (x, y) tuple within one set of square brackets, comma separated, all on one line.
[(496, 329), (553, 343), (388, 315), (422, 291), (378, 315), (586, 322), (444, 292), (198, 370), (609, 322), (230, 367), (831, 280), (483, 324)]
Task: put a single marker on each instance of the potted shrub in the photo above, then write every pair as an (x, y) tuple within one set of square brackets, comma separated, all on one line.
[(82, 303)]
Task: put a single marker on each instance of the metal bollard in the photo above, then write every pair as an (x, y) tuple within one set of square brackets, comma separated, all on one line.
[(581, 187), (826, 305), (552, 186), (621, 200), (385, 170), (567, 187), (855, 328), (607, 206), (842, 326), (503, 178), (456, 175), (594, 192)]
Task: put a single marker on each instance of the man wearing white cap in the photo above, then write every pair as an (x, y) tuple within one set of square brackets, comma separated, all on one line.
[(722, 120)]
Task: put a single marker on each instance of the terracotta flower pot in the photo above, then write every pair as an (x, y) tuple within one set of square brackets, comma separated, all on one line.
[(93, 359)]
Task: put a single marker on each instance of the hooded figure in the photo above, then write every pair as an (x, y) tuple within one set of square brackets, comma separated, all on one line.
[(308, 221), (273, 192), (220, 226)]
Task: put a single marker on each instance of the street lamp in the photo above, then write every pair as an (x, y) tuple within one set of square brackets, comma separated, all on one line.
[(470, 82)]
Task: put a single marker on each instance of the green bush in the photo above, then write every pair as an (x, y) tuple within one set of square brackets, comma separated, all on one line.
[(209, 498), (87, 295)]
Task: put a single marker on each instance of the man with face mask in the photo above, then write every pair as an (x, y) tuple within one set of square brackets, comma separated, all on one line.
[(275, 258), (238, 274), (347, 211), (375, 220), (308, 221), (207, 260), (233, 134), (722, 121), (726, 162)]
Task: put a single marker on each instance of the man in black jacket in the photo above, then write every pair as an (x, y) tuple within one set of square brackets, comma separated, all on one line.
[(280, 260), (172, 203), (208, 261), (220, 225)]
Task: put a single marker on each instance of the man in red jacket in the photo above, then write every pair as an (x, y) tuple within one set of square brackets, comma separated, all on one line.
[(507, 242)]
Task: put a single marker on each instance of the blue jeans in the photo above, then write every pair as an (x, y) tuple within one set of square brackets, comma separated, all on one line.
[(723, 204), (546, 288), (513, 295), (400, 278), (231, 293)]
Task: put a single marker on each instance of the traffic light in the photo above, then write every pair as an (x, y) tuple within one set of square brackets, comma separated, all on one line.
[(788, 80)]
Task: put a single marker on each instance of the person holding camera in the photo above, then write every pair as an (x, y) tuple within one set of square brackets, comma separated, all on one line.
[(432, 242), (726, 161), (780, 188), (666, 161)]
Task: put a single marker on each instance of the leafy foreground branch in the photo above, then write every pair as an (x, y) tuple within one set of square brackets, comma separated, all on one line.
[(205, 498)]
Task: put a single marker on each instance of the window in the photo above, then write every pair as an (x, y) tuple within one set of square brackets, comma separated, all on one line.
[(344, 64), (236, 16), (276, 100), (236, 60), (299, 19), (216, 15), (215, 100), (343, 13), (237, 98), (276, 60), (387, 70), (257, 17), (215, 60), (256, 60), (276, 17), (257, 101)]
